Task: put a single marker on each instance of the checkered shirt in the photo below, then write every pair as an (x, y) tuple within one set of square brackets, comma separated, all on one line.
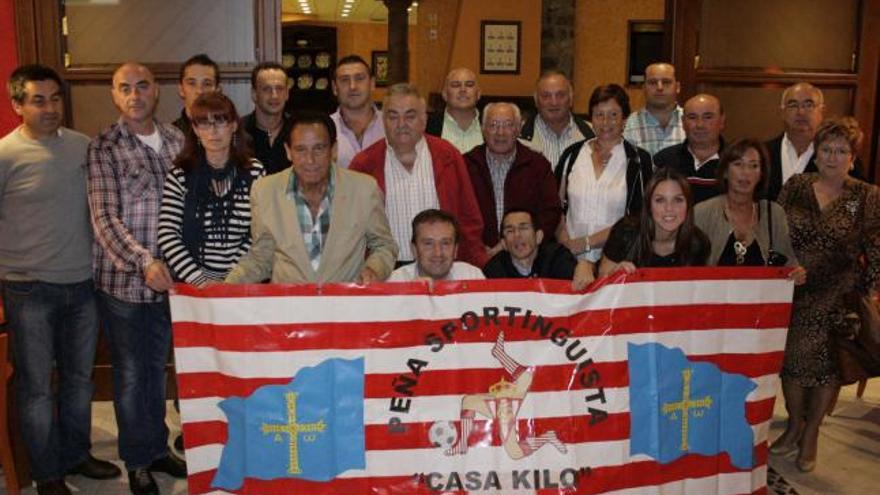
[(314, 230), (643, 130)]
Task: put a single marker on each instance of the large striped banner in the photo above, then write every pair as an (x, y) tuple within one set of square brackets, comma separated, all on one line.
[(658, 382)]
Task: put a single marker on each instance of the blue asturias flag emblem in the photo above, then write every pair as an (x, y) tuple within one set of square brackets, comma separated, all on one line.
[(311, 428), (679, 407)]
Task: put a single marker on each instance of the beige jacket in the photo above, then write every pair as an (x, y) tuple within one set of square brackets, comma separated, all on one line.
[(359, 234), (710, 218)]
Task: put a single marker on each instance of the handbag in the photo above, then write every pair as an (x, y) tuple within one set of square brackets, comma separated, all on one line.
[(858, 341), (774, 258)]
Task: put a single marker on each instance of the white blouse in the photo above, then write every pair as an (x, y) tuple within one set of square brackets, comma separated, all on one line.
[(594, 203)]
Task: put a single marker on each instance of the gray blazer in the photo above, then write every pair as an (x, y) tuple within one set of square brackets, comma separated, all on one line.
[(359, 234), (710, 218)]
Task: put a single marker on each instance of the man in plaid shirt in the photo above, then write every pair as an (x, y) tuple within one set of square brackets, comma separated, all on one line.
[(659, 124), (127, 164)]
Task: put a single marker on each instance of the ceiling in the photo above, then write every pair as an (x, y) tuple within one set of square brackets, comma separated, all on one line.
[(335, 11)]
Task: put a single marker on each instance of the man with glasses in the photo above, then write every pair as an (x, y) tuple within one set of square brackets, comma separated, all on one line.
[(659, 124), (698, 155), (296, 212), (459, 123), (802, 107), (506, 174), (268, 125), (127, 165), (527, 255)]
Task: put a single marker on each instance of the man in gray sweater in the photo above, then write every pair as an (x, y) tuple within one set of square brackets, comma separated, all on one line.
[(46, 275)]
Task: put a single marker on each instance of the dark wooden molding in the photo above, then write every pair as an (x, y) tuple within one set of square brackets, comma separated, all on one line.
[(757, 75), (26, 31), (867, 91)]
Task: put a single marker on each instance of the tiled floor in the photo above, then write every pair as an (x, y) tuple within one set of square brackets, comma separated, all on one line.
[(848, 463)]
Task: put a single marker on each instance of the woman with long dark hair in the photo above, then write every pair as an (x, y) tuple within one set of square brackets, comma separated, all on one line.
[(663, 235), (204, 222)]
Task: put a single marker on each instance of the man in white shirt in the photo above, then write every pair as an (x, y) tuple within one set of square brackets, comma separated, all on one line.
[(358, 121), (435, 246), (459, 123), (659, 124), (803, 108), (554, 128)]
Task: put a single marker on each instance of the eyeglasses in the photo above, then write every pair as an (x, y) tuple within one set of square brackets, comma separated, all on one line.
[(506, 125), (807, 106), (607, 117), (219, 122), (835, 152)]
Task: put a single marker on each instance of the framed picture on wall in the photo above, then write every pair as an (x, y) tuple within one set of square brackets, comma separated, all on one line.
[(380, 68), (500, 46)]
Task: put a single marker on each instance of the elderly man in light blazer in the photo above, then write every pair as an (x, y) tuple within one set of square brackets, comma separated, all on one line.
[(316, 222)]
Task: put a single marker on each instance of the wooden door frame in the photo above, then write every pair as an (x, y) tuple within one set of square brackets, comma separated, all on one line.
[(39, 39), (682, 45)]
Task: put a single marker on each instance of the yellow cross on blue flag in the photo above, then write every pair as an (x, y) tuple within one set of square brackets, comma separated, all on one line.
[(310, 428), (679, 406)]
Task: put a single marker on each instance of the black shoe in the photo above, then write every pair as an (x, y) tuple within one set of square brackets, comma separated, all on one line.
[(96, 469), (178, 443), (54, 487), (141, 482), (170, 464)]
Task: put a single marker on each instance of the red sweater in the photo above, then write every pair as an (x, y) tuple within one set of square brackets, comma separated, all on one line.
[(454, 191)]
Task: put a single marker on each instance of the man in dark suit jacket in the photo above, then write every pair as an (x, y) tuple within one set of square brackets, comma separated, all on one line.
[(803, 108)]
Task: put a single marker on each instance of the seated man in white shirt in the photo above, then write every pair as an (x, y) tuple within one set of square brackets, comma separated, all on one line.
[(435, 245)]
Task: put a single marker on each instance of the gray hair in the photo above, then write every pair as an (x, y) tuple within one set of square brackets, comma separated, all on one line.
[(804, 84), (403, 89), (516, 112)]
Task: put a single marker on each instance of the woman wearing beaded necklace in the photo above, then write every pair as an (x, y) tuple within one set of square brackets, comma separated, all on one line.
[(744, 229), (204, 222)]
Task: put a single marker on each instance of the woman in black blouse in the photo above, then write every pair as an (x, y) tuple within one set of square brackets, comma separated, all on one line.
[(663, 235)]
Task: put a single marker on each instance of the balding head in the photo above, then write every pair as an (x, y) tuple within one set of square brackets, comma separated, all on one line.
[(135, 94), (461, 91), (553, 97), (703, 120), (803, 108)]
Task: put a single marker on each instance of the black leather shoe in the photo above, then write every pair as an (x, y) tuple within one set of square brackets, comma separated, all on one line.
[(170, 464), (54, 487), (141, 482), (96, 469)]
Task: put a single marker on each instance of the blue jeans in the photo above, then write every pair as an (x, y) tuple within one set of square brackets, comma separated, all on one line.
[(139, 335), (53, 325)]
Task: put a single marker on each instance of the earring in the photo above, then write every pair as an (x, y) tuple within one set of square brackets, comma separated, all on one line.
[(234, 140)]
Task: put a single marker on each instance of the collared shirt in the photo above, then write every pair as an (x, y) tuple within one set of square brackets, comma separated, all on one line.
[(550, 144), (273, 156), (643, 130), (125, 183), (314, 229), (347, 144), (407, 193), (595, 203), (499, 166), (463, 139), (792, 163), (699, 163)]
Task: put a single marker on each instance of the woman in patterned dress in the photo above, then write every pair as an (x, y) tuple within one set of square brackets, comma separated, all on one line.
[(834, 220)]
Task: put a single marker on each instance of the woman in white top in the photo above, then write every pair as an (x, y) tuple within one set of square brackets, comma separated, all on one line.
[(601, 179)]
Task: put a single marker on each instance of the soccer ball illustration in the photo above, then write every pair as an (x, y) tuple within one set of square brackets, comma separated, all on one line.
[(443, 434)]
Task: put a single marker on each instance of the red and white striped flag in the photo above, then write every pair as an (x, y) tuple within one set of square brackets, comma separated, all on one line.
[(534, 377)]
